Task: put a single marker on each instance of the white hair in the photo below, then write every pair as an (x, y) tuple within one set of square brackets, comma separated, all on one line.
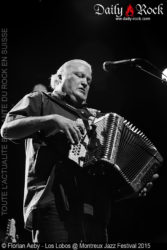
[(56, 78)]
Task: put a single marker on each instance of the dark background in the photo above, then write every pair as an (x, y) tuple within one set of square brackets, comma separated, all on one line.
[(42, 35)]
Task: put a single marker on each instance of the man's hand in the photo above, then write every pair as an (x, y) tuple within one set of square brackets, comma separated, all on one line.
[(148, 186), (74, 130)]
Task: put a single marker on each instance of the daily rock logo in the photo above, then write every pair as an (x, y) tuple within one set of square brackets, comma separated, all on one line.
[(143, 9), (112, 10), (130, 12)]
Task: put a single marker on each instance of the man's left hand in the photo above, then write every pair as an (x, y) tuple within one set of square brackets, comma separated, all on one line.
[(148, 186)]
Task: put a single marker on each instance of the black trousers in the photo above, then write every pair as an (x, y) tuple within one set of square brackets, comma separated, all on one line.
[(79, 212), (51, 228)]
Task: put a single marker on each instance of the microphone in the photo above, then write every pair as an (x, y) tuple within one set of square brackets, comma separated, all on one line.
[(108, 65)]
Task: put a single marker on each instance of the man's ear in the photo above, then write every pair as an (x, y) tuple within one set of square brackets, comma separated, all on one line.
[(59, 77), (57, 80)]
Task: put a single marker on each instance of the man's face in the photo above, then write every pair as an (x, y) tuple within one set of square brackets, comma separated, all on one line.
[(76, 81)]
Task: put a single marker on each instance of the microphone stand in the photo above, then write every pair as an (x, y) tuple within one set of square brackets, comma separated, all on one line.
[(164, 81)]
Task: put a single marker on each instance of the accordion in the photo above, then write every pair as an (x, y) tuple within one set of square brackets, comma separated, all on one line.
[(117, 148)]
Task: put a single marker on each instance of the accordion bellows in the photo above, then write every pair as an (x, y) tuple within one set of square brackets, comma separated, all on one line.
[(116, 148)]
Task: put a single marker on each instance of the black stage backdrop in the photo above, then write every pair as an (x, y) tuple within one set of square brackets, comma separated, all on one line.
[(42, 35)]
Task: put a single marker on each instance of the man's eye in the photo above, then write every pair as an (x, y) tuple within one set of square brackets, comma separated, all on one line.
[(79, 75)]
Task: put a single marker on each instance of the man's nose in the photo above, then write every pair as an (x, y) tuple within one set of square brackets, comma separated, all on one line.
[(84, 82)]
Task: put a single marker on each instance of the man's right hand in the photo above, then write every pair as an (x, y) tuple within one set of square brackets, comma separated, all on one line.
[(74, 130)]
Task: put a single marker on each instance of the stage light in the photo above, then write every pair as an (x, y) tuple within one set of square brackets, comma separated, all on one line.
[(164, 74)]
